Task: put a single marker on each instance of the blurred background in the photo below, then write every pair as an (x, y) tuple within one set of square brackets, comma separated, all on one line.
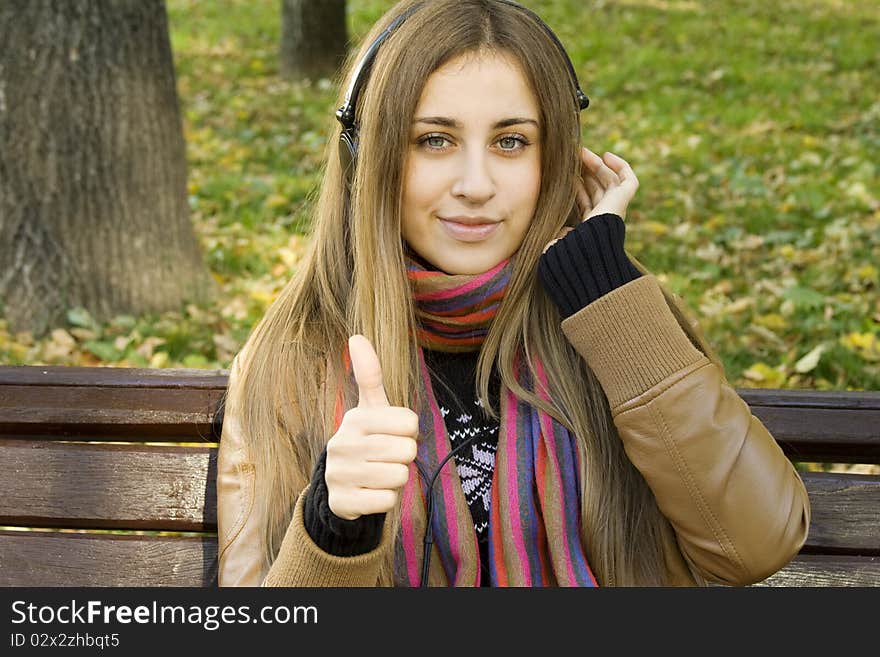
[(158, 166)]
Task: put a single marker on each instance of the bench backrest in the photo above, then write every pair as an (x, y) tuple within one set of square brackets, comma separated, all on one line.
[(110, 477), (92, 452)]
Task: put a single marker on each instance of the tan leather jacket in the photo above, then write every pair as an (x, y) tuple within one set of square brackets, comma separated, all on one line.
[(737, 509)]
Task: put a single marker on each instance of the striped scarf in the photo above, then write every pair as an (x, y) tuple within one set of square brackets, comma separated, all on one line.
[(534, 523)]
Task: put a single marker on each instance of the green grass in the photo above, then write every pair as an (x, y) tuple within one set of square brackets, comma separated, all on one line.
[(753, 128)]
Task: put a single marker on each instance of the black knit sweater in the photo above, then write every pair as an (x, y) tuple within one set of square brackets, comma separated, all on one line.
[(578, 269)]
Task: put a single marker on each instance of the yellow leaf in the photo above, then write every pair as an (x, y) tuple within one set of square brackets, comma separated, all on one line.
[(739, 305), (226, 344), (865, 345), (748, 243), (149, 345), (765, 376), (83, 334), (265, 298), (722, 287), (787, 251), (767, 334), (867, 272), (63, 339), (715, 221), (772, 321), (809, 362), (275, 201), (159, 360), (656, 228), (859, 192), (289, 256)]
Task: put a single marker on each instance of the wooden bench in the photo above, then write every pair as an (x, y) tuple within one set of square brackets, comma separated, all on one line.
[(99, 491)]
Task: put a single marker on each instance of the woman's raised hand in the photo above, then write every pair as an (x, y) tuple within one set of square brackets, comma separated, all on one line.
[(607, 185), (368, 457)]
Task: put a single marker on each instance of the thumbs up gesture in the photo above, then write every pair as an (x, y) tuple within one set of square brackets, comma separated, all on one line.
[(368, 457)]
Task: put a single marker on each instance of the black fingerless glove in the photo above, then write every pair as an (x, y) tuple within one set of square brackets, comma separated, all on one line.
[(335, 535), (586, 264)]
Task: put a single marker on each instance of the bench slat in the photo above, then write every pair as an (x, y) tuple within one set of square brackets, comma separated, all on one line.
[(127, 413), (66, 559), (60, 559), (91, 377), (824, 435), (108, 486), (844, 512), (827, 570), (785, 398), (173, 488)]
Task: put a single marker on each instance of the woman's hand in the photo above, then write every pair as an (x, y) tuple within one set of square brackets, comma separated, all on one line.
[(368, 457), (607, 185)]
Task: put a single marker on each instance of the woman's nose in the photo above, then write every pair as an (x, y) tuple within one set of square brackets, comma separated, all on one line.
[(474, 181)]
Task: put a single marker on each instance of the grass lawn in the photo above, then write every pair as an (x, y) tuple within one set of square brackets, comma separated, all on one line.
[(754, 129)]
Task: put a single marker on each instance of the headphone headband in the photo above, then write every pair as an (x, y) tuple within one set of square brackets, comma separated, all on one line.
[(346, 113)]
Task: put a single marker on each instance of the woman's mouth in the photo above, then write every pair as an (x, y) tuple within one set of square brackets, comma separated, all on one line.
[(473, 232)]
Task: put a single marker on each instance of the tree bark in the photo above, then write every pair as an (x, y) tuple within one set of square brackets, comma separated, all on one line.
[(93, 201), (314, 38)]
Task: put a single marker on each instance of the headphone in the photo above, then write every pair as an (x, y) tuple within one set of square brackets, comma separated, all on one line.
[(348, 148), (348, 140)]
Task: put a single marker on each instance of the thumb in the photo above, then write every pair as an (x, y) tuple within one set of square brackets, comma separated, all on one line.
[(367, 372)]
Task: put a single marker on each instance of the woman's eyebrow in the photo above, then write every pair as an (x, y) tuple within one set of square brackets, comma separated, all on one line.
[(452, 123)]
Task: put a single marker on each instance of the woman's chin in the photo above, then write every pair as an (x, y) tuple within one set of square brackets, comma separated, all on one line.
[(470, 263)]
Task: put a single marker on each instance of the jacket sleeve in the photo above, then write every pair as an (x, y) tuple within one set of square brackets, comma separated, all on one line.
[(737, 505), (300, 562), (239, 539)]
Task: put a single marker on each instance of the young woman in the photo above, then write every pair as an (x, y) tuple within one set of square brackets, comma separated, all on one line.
[(469, 381)]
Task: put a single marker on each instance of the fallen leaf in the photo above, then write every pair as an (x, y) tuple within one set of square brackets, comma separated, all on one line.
[(809, 361)]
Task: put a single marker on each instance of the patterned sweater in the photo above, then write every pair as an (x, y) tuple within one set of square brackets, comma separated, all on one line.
[(578, 269)]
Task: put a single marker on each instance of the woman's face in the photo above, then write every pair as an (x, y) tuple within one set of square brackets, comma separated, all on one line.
[(473, 169)]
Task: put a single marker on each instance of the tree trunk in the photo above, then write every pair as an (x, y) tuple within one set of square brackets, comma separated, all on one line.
[(93, 201), (314, 38)]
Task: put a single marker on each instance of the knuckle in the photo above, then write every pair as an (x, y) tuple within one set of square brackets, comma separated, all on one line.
[(412, 423), (339, 447), (332, 474), (334, 450), (412, 450), (389, 499), (349, 423), (402, 475), (339, 504)]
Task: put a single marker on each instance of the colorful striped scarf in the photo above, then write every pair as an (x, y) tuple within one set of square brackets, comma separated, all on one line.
[(534, 525)]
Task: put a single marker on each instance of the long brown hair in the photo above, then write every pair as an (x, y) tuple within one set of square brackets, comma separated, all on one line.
[(352, 280)]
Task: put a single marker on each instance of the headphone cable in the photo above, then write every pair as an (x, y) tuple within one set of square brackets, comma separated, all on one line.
[(429, 530)]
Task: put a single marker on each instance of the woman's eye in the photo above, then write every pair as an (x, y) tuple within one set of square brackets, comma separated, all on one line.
[(510, 143), (436, 142)]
